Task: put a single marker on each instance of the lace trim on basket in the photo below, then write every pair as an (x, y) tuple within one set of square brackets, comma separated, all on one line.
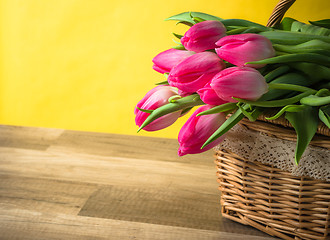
[(257, 146)]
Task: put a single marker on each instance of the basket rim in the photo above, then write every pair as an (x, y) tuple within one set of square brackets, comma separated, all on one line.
[(282, 121), (284, 130)]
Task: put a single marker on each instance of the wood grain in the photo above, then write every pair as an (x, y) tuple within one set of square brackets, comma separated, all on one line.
[(165, 206), (60, 184), (35, 225), (43, 195)]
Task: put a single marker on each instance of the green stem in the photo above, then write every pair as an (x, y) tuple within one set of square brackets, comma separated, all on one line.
[(237, 30), (315, 101), (284, 86), (288, 108), (277, 103), (323, 93), (296, 57), (276, 73)]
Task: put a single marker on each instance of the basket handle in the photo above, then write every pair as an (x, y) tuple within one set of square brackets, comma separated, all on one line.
[(279, 11)]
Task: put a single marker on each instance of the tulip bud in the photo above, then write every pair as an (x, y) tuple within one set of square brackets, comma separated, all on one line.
[(242, 48), (154, 99), (197, 130), (209, 96), (165, 61), (195, 71), (202, 36), (240, 82)]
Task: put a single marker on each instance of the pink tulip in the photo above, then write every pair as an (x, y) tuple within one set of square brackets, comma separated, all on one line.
[(197, 130), (202, 36), (183, 94), (154, 99), (209, 96), (242, 48), (166, 60), (195, 71), (240, 82)]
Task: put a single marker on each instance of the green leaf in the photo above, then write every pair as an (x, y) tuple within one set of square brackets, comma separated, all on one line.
[(163, 83), (286, 23), (179, 36), (323, 84), (288, 78), (253, 30), (312, 44), (229, 123), (184, 111), (179, 47), (225, 127), (185, 23), (217, 109), (301, 51), (324, 115), (145, 110), (322, 23), (276, 73), (314, 71), (180, 104), (248, 114), (309, 29), (305, 123), (244, 23), (317, 30), (198, 19), (291, 38), (237, 30), (187, 17)]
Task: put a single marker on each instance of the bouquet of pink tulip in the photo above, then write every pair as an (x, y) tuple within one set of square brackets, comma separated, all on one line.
[(235, 68)]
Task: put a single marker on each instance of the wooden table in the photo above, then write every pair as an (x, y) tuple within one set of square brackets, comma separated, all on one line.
[(60, 184)]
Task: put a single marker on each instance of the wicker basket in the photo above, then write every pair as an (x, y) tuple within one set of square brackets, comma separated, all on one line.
[(270, 199)]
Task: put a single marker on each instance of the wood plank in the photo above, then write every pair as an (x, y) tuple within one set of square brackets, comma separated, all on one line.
[(137, 147), (28, 137), (51, 196), (35, 225), (164, 206), (71, 166)]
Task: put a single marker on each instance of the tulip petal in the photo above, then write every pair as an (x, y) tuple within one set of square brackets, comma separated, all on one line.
[(239, 82), (203, 36), (242, 48), (154, 99), (197, 129), (195, 71)]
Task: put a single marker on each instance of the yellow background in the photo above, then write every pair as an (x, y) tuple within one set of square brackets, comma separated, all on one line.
[(84, 64)]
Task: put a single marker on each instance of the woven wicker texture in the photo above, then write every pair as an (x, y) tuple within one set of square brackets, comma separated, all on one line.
[(279, 11), (272, 200)]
